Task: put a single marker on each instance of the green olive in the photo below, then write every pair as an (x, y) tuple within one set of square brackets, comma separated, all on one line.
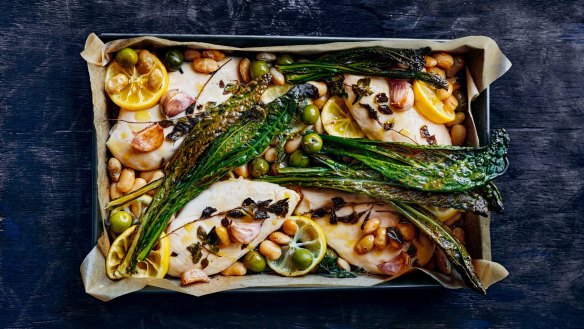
[(299, 159), (254, 261), (311, 143), (259, 167), (310, 114), (173, 59), (127, 57), (302, 258), (285, 59), (120, 221), (259, 68)]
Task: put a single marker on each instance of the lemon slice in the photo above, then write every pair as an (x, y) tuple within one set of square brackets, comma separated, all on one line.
[(443, 214), (137, 95), (274, 92), (429, 105), (155, 266), (337, 119), (309, 237)]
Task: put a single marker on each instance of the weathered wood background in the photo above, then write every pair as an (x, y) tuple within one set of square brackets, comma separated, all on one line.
[(45, 163)]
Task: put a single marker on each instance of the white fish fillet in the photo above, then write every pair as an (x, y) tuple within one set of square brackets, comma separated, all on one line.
[(406, 125), (223, 196), (343, 237), (190, 82)]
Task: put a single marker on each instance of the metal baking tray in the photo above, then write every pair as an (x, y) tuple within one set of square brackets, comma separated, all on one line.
[(415, 280)]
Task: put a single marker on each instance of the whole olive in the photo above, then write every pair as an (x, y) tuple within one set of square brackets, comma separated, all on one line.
[(259, 68), (302, 258), (299, 159), (254, 261), (259, 167), (120, 221), (310, 114), (173, 59), (127, 57), (311, 143), (285, 59)]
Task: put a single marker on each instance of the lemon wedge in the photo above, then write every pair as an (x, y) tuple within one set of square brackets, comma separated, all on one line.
[(427, 103)]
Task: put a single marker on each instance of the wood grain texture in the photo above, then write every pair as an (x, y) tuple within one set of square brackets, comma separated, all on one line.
[(45, 163)]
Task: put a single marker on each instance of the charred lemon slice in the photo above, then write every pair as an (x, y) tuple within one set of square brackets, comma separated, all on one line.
[(338, 121), (154, 266), (138, 87), (303, 253)]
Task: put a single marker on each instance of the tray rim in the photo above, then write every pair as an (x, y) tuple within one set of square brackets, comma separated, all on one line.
[(404, 282)]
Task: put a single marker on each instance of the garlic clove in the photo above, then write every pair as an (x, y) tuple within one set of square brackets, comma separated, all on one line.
[(244, 233), (401, 95), (148, 139), (174, 102)]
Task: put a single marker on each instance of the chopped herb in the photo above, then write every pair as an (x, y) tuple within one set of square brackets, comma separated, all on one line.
[(204, 263), (221, 84), (387, 125), (207, 212), (196, 253), (173, 254), (432, 140), (264, 204), (361, 89), (166, 123), (319, 213), (393, 234), (348, 219), (412, 250), (236, 213), (231, 88), (338, 202), (279, 208), (247, 202), (212, 238), (371, 111), (201, 234), (329, 267), (261, 214), (333, 217), (336, 86), (424, 131), (225, 222)]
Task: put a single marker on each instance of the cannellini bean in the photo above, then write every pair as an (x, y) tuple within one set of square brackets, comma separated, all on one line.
[(459, 118), (456, 66), (114, 193), (244, 72), (191, 54), (114, 169), (450, 103), (318, 126), (145, 61), (277, 77), (158, 174), (279, 238), (444, 93), (223, 234), (380, 241), (155, 79), (126, 181), (371, 226), (147, 175), (444, 60), (430, 61), (242, 171), (344, 264), (236, 269), (214, 54), (117, 83), (458, 135), (293, 144), (437, 71), (319, 102), (290, 227), (365, 244), (138, 183), (205, 65), (268, 57), (136, 208), (270, 250), (271, 155)]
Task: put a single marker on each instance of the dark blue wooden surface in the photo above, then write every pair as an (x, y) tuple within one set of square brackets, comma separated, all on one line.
[(45, 163)]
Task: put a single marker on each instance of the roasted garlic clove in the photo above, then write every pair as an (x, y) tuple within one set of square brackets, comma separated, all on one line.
[(148, 139), (244, 233), (401, 95), (174, 102), (194, 275)]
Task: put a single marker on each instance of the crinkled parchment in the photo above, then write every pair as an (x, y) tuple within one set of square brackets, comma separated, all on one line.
[(486, 65)]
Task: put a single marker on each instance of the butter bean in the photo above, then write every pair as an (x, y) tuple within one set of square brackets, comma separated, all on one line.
[(244, 72), (236, 269), (344, 264), (126, 181), (242, 171), (444, 93), (138, 183), (458, 135), (293, 144), (114, 193), (371, 226), (444, 60), (429, 61), (290, 227), (114, 169), (365, 244), (270, 250), (277, 77), (407, 231), (459, 118), (321, 86), (279, 238), (223, 234), (380, 241), (191, 54), (271, 155)]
